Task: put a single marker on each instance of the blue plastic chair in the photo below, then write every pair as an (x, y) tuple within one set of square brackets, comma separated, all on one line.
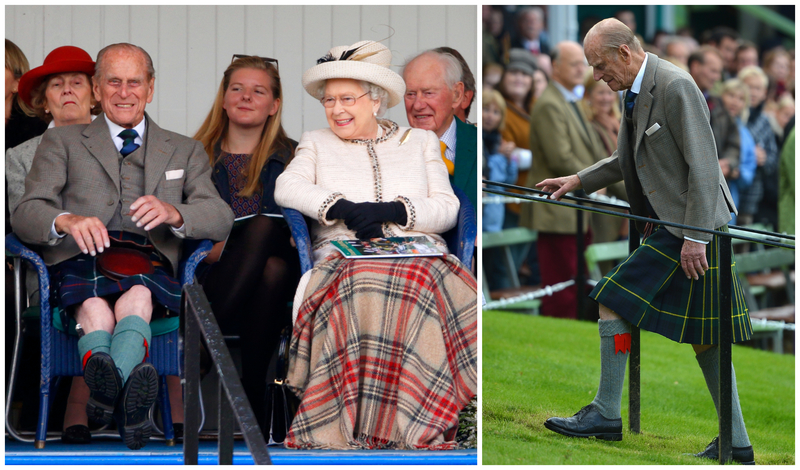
[(460, 239), (59, 353)]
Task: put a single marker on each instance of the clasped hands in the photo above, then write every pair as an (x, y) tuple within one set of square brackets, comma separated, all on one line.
[(91, 234), (367, 218)]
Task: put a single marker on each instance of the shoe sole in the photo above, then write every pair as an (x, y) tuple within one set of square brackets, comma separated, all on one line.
[(141, 393), (606, 436), (101, 379)]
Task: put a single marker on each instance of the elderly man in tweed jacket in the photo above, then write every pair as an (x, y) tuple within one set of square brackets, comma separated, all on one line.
[(667, 159), (122, 179)]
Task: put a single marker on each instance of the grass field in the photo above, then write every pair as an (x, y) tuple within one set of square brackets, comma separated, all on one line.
[(538, 367)]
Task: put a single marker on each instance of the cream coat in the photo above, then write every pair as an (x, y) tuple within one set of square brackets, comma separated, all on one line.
[(325, 165)]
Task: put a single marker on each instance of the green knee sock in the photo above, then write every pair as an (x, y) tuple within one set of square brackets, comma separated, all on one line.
[(97, 341), (614, 351), (709, 364), (129, 343)]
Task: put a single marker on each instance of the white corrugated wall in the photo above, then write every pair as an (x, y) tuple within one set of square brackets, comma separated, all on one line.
[(192, 45)]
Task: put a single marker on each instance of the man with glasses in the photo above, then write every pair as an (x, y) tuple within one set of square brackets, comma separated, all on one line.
[(120, 181), (434, 91)]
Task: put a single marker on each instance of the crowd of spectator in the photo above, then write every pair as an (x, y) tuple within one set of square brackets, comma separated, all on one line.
[(749, 89)]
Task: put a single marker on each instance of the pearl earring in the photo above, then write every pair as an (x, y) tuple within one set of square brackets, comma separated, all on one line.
[(375, 113)]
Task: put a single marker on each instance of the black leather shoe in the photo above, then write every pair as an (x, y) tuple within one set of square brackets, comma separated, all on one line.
[(137, 397), (104, 384), (77, 434), (177, 428), (587, 422), (743, 455)]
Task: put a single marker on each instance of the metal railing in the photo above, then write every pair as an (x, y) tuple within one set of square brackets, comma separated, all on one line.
[(202, 326), (726, 301)]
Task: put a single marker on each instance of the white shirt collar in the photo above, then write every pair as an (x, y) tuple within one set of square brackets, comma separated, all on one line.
[(53, 122), (114, 129), (569, 95), (449, 138), (637, 82)]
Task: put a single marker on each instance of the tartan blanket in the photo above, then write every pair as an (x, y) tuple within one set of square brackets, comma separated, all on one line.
[(78, 279), (650, 290), (384, 354)]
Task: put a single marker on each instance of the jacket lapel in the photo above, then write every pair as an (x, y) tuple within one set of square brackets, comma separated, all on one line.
[(158, 154), (99, 144), (466, 143), (644, 103)]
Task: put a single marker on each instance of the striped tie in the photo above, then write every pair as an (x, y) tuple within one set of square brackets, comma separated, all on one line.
[(128, 145)]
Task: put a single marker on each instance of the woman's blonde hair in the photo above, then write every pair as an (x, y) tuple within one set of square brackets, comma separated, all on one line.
[(734, 85), (494, 97), (17, 64), (273, 137), (589, 84)]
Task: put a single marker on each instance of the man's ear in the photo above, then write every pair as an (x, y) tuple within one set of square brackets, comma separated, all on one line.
[(458, 94)]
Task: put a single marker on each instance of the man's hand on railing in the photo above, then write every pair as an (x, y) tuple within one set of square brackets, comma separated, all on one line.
[(693, 259), (560, 186)]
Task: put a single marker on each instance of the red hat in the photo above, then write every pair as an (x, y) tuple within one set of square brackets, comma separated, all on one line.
[(62, 59)]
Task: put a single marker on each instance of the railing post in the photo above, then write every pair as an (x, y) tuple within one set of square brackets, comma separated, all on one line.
[(191, 404), (725, 340), (225, 428), (580, 277), (634, 377)]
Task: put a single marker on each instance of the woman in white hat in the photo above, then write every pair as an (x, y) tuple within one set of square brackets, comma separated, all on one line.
[(384, 352)]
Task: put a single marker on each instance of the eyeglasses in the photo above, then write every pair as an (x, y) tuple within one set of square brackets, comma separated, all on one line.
[(347, 101), (267, 60)]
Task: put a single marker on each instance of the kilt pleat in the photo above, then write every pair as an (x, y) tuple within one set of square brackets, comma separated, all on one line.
[(650, 290), (383, 354)]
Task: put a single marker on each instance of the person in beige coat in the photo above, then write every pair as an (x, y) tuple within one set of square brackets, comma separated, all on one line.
[(383, 352), (562, 142), (121, 180)]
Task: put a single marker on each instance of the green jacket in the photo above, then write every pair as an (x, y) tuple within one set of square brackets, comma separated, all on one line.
[(465, 174), (786, 186)]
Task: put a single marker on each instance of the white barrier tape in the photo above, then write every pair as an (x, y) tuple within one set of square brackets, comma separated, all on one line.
[(548, 290), (498, 199), (772, 323)]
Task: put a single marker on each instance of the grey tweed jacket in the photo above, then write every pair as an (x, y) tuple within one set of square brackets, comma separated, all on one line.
[(673, 162), (76, 169)]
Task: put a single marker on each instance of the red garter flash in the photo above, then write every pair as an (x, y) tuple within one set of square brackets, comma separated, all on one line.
[(622, 343), (147, 350), (86, 358)]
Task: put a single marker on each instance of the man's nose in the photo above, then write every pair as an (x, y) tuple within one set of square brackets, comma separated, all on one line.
[(124, 91), (419, 103), (596, 75)]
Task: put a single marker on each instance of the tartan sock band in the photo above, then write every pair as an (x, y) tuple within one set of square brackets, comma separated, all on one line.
[(92, 343), (613, 362), (709, 364), (129, 344)]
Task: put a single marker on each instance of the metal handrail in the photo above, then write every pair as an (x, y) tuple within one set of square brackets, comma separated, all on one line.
[(726, 303), (201, 325)]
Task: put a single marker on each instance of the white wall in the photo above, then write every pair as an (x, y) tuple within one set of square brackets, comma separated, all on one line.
[(192, 45)]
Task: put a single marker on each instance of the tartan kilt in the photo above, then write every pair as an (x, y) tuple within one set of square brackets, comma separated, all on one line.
[(651, 291), (78, 279), (383, 354)]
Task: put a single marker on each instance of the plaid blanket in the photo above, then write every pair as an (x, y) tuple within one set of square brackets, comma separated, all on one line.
[(78, 279), (384, 354), (650, 290)]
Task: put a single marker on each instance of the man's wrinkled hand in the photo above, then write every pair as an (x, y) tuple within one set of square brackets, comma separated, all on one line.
[(89, 232), (150, 212), (693, 259), (560, 186)]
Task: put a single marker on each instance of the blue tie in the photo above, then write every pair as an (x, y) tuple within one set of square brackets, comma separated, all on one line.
[(128, 145), (630, 101)]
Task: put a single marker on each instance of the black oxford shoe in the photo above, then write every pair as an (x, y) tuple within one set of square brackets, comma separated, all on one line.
[(743, 455), (587, 422), (104, 383)]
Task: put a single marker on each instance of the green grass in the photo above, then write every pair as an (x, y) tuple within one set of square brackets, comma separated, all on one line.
[(538, 367)]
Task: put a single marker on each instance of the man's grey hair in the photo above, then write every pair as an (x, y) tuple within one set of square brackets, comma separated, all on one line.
[(613, 34), (98, 66), (376, 92), (529, 10), (451, 66)]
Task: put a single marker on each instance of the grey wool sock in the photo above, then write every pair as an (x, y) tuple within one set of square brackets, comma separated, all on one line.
[(97, 341), (613, 361), (129, 344), (709, 364)]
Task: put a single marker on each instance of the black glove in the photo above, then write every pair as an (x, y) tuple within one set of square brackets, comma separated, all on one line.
[(341, 209), (370, 213), (373, 230)]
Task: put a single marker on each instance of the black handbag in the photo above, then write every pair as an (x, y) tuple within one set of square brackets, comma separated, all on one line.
[(281, 403)]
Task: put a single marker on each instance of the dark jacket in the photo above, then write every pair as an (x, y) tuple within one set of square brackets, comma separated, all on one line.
[(269, 173)]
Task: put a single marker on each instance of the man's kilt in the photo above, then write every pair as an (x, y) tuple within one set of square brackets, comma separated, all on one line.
[(650, 290)]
